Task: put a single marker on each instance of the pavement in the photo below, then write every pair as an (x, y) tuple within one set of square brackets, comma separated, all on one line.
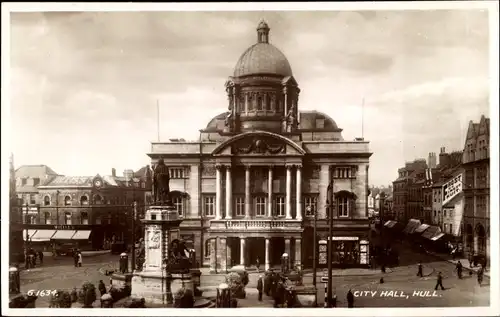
[(464, 261), (401, 280)]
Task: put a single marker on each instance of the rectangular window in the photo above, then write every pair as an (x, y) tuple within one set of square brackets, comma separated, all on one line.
[(84, 218), (280, 206), (36, 181), (47, 218), (239, 206), (32, 199), (209, 205), (24, 181), (179, 205), (67, 218), (260, 206), (343, 206), (310, 205)]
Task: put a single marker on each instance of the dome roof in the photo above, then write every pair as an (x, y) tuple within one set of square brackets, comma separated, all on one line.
[(262, 57)]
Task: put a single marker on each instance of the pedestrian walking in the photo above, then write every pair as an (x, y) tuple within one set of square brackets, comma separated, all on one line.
[(334, 300), (75, 258), (350, 299), (257, 264), (459, 269), (382, 268), (40, 256), (80, 259), (102, 287), (439, 281), (480, 273), (260, 287), (420, 272)]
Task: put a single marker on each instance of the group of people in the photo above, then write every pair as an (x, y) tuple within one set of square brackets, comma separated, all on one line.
[(274, 286), (31, 257), (458, 268)]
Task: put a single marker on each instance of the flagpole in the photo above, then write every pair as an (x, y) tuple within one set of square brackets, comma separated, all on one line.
[(158, 118), (363, 118)]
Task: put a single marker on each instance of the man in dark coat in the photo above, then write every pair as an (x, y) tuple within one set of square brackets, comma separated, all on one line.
[(350, 299), (459, 269), (420, 270), (102, 287), (40, 256), (439, 281), (260, 287), (75, 258)]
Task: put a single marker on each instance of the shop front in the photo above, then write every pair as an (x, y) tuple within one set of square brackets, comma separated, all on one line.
[(347, 251)]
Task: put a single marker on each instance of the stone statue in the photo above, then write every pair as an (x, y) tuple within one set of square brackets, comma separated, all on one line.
[(229, 121), (161, 184), (291, 121)]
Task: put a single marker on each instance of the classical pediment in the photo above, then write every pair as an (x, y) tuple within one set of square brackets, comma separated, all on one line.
[(259, 143)]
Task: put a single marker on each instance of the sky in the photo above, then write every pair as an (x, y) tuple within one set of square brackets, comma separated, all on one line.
[(84, 86)]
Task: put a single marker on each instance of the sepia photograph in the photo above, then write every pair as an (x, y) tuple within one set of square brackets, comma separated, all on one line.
[(250, 158)]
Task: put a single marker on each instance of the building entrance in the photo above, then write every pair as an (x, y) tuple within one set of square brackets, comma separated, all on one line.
[(277, 250)]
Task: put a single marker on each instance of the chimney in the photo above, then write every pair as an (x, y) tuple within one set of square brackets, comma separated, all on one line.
[(444, 158), (113, 172)]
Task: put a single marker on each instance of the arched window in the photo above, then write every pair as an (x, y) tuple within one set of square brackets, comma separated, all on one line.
[(84, 200), (67, 201), (46, 200), (48, 221), (97, 199), (67, 218), (84, 218)]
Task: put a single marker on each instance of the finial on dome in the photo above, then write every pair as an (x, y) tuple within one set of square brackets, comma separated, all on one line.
[(263, 32)]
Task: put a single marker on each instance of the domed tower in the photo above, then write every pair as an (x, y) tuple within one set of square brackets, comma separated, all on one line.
[(262, 93)]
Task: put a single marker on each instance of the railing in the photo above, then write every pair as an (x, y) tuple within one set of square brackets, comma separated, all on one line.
[(255, 223)]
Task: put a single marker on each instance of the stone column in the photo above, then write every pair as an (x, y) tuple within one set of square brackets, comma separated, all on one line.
[(247, 191), (229, 253), (287, 247), (213, 256), (229, 193), (270, 192), (221, 255), (267, 260), (218, 193), (288, 192), (246, 103), (298, 212), (242, 251), (298, 252)]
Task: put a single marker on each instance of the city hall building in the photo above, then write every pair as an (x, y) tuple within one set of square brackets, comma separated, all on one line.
[(250, 187)]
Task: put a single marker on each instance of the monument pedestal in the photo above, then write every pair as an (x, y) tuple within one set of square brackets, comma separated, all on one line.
[(154, 283)]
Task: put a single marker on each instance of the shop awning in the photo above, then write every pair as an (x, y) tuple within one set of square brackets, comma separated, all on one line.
[(81, 235), (422, 228), (431, 232), (63, 235), (438, 236), (43, 235), (31, 233), (390, 223), (411, 226)]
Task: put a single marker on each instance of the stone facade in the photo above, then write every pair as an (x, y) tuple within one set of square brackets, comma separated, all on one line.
[(251, 184), (476, 163)]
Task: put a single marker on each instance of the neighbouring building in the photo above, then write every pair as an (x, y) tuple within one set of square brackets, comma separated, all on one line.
[(476, 164), (407, 202), (249, 187), (87, 210)]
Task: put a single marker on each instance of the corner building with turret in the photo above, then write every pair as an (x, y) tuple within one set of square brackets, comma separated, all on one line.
[(250, 187)]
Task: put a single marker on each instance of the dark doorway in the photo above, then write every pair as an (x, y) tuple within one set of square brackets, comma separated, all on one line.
[(277, 250)]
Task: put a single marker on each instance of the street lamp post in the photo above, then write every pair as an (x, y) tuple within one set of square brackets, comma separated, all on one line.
[(26, 242), (315, 249), (330, 204), (133, 235)]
